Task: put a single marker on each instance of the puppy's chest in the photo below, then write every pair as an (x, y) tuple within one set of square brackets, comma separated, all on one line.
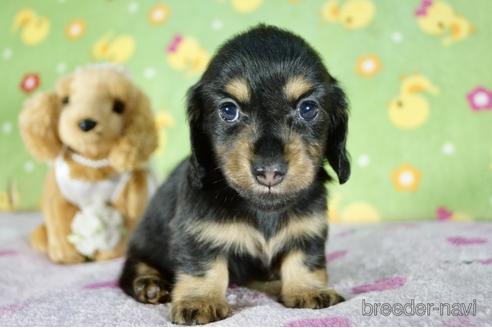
[(260, 241)]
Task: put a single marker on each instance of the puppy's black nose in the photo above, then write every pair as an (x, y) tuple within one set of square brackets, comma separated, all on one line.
[(270, 175), (87, 125)]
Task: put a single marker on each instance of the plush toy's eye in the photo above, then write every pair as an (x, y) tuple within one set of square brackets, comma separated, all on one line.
[(65, 100), (229, 111), (118, 106), (308, 109)]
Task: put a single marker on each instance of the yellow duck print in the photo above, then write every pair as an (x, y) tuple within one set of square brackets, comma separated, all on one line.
[(410, 110), (34, 29), (5, 202), (114, 49), (246, 6), (9, 199), (185, 54), (356, 212), (445, 214), (163, 120), (436, 17), (353, 14)]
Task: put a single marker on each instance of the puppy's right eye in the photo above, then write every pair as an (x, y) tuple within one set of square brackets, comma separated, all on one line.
[(229, 111), (65, 100), (308, 110)]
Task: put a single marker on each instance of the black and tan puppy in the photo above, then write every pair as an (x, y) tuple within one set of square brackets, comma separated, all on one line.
[(249, 204)]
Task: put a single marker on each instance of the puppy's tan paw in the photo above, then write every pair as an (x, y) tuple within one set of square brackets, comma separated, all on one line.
[(151, 289), (199, 311), (312, 299)]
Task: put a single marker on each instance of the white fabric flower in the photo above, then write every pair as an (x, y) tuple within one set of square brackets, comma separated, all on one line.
[(96, 227)]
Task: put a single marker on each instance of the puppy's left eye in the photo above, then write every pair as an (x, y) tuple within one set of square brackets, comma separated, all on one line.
[(229, 111), (308, 109), (118, 106)]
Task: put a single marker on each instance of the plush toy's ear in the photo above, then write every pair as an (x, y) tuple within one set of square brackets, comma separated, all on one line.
[(38, 123), (336, 152), (201, 150), (139, 138)]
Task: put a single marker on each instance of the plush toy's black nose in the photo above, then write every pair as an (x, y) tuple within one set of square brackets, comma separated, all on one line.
[(87, 125), (270, 175)]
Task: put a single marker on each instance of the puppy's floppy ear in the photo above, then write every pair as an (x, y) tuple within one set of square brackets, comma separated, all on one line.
[(38, 121), (336, 152), (139, 138), (201, 150)]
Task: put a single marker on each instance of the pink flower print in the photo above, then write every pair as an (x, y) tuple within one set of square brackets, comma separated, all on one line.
[(443, 214), (463, 241), (380, 285), (486, 261), (335, 255), (321, 322), (422, 9), (174, 44), (30, 82), (7, 252), (102, 284), (480, 99)]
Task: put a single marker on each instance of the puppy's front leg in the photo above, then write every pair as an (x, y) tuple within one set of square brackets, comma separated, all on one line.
[(200, 298), (305, 287)]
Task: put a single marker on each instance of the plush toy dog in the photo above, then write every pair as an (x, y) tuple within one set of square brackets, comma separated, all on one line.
[(98, 132)]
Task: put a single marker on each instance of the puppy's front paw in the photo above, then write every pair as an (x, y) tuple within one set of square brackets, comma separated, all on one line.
[(312, 299), (199, 311), (151, 289)]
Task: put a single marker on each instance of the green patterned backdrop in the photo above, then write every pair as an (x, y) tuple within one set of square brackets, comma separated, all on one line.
[(418, 75)]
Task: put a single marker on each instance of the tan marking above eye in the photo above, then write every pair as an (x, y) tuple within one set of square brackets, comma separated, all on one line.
[(239, 89), (296, 87)]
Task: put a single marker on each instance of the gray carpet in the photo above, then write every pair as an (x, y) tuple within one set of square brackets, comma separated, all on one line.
[(447, 264)]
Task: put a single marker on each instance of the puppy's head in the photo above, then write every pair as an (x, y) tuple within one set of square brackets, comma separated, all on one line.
[(266, 113)]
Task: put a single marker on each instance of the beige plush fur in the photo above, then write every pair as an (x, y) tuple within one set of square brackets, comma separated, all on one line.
[(49, 122)]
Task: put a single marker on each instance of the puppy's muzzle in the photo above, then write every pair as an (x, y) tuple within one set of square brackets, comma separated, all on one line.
[(269, 167)]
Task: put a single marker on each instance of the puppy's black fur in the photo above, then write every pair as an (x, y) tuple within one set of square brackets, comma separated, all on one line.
[(223, 216)]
